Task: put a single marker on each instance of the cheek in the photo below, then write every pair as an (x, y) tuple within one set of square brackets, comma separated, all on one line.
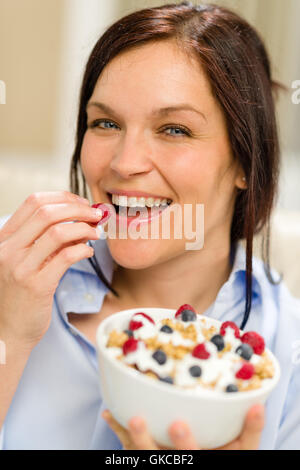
[(195, 172), (95, 158), (204, 176)]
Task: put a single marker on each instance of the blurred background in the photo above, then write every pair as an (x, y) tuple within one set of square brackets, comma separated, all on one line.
[(44, 45)]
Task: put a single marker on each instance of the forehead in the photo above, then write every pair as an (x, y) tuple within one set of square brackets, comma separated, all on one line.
[(159, 72)]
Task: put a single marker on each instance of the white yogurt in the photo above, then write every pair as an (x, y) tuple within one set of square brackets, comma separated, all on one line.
[(215, 370)]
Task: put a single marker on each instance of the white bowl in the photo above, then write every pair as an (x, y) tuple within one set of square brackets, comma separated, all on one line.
[(215, 418)]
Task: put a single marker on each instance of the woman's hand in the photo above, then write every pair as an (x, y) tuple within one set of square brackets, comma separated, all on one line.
[(36, 249), (137, 436)]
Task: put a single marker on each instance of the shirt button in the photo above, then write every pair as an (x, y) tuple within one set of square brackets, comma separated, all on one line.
[(74, 333), (89, 297)]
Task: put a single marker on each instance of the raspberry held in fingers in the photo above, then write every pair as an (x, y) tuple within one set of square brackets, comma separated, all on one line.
[(105, 212), (98, 213)]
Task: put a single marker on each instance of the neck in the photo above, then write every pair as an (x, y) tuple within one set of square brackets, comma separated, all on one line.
[(193, 277)]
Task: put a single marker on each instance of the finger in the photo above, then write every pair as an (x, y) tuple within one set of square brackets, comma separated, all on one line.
[(58, 237), (253, 427), (249, 439), (182, 436), (51, 274), (31, 204), (48, 215), (119, 430), (140, 435)]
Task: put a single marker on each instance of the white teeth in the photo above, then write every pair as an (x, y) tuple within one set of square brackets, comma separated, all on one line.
[(131, 202), (122, 201), (139, 201), (149, 201)]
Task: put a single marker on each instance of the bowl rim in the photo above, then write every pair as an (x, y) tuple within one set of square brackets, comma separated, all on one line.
[(176, 390)]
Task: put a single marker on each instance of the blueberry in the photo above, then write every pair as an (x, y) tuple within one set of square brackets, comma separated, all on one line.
[(195, 371), (188, 315), (129, 333), (218, 340), (166, 329), (231, 388), (160, 356), (167, 379), (245, 351)]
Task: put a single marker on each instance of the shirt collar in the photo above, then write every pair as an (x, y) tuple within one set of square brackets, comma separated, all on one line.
[(88, 297), (233, 291)]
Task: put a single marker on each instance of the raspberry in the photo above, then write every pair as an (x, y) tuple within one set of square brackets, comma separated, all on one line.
[(130, 346), (136, 324), (200, 352), (146, 316), (229, 324), (255, 341), (246, 371), (105, 212), (184, 307)]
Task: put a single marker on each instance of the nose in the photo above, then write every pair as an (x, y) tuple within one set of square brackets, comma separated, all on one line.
[(132, 157)]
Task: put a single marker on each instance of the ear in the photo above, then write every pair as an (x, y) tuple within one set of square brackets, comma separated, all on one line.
[(240, 180)]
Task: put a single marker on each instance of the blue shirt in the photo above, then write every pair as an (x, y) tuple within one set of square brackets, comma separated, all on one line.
[(58, 402)]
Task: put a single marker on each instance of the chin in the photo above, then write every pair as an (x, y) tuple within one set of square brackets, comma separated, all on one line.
[(137, 254)]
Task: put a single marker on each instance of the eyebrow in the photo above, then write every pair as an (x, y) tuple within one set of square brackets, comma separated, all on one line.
[(155, 113)]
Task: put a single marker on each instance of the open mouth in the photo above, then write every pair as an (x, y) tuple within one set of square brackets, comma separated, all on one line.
[(138, 206)]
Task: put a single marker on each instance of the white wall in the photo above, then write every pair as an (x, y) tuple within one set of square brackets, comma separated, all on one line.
[(78, 24), (43, 169)]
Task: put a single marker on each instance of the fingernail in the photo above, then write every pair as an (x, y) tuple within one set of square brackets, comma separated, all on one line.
[(179, 432), (105, 414), (137, 425), (258, 413), (98, 213)]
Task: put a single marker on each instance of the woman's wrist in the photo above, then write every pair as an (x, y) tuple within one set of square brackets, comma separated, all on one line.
[(12, 347)]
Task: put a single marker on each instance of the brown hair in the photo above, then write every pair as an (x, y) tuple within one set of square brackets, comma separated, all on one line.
[(237, 65)]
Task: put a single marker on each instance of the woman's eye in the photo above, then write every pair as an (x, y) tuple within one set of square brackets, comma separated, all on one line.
[(179, 131), (97, 123)]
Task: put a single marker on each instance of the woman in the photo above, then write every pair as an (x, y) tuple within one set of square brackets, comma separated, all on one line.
[(222, 151)]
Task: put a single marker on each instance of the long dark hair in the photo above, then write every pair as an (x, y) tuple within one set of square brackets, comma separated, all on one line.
[(238, 68)]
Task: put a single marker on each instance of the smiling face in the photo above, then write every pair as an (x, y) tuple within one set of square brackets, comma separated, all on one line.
[(182, 155)]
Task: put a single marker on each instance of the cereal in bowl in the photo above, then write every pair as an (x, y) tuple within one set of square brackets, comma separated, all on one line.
[(188, 350)]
